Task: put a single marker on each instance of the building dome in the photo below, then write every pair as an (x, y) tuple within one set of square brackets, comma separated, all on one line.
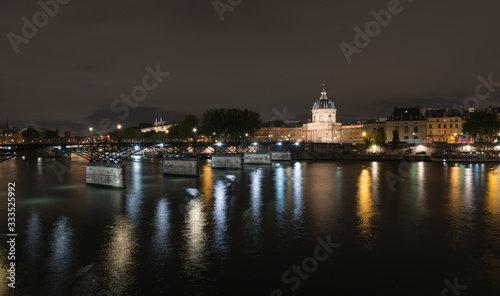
[(323, 102)]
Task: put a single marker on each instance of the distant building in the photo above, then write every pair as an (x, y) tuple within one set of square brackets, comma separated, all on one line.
[(410, 122), (352, 133), (158, 126), (445, 126), (280, 131), (324, 127), (9, 135), (371, 127), (494, 110)]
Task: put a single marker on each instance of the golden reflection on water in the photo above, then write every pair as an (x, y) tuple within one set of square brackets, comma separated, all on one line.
[(365, 208), (207, 187), (119, 254), (322, 198), (492, 207), (455, 205), (4, 266), (492, 222)]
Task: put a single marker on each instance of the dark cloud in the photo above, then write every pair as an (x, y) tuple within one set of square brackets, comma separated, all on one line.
[(264, 55)]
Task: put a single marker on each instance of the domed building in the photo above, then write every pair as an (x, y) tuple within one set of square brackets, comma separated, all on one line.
[(324, 127)]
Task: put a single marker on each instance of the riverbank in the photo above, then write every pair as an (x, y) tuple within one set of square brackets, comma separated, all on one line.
[(388, 157), (360, 157)]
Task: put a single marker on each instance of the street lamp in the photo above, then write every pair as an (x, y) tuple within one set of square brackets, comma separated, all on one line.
[(91, 129), (194, 134), (119, 126)]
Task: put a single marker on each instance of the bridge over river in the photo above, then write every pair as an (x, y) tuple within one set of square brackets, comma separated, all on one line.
[(106, 166)]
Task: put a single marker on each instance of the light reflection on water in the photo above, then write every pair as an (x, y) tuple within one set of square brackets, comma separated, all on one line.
[(279, 187), (365, 209), (297, 192), (161, 237), (219, 216), (256, 200), (227, 216), (195, 242), (134, 197), (33, 237), (492, 221), (119, 254), (4, 266), (61, 255)]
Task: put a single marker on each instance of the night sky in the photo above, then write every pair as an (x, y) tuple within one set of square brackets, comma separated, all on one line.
[(264, 55)]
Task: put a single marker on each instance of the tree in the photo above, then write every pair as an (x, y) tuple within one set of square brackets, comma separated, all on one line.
[(31, 134), (187, 125), (230, 124), (481, 124), (174, 133), (380, 138), (395, 139), (367, 140), (154, 136), (125, 133), (51, 135)]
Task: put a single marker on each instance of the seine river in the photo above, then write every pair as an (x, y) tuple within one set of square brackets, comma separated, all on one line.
[(297, 228)]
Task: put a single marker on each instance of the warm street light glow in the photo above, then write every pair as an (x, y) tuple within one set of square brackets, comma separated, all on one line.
[(91, 129), (119, 126), (364, 134), (194, 130), (246, 135)]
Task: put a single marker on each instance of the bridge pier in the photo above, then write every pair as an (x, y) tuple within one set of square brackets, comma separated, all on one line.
[(181, 166), (258, 158), (106, 174), (227, 161), (281, 156)]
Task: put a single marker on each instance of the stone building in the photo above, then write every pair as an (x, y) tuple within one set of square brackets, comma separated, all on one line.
[(324, 127), (410, 122), (445, 126), (280, 131)]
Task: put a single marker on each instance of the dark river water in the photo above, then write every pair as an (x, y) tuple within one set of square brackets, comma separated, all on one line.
[(297, 228)]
